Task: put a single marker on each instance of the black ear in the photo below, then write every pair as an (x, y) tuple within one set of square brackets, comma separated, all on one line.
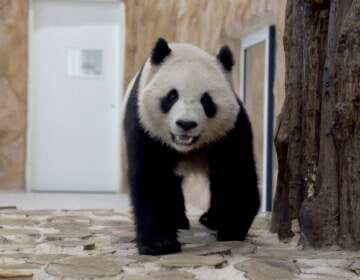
[(160, 51), (226, 58)]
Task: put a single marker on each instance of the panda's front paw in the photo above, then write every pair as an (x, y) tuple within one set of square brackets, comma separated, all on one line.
[(209, 220), (183, 223), (230, 235), (159, 246)]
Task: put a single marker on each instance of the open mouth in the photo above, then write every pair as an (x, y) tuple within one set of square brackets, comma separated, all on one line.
[(184, 140)]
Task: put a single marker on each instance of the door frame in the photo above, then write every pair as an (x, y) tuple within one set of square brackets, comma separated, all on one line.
[(31, 64), (267, 35)]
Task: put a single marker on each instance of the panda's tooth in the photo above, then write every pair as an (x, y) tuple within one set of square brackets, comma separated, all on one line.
[(184, 139)]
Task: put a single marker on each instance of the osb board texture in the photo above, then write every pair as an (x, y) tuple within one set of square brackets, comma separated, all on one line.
[(206, 23), (13, 80)]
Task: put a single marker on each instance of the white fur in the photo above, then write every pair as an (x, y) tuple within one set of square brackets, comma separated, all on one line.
[(192, 72)]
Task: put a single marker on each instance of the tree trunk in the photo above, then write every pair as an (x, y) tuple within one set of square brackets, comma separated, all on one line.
[(318, 133)]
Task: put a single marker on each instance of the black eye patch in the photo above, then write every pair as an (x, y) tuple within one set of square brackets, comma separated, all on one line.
[(169, 100), (208, 104)]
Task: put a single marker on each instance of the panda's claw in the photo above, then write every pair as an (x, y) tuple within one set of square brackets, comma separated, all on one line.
[(159, 246), (209, 220)]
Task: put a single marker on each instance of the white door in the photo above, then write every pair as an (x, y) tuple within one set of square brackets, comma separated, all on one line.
[(75, 82)]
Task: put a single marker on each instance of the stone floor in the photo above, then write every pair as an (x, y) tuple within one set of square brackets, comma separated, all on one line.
[(93, 244)]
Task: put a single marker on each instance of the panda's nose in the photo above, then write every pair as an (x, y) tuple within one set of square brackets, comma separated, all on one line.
[(186, 125)]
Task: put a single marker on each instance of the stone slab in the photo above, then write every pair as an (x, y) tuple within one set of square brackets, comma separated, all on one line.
[(172, 275), (187, 260), (211, 249), (137, 277), (144, 258), (12, 274), (84, 266), (355, 266), (268, 270), (21, 222), (46, 258)]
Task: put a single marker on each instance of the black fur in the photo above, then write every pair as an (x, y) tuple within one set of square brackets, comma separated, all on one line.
[(160, 51), (226, 58), (186, 125), (235, 197), (209, 106), (168, 101), (156, 192)]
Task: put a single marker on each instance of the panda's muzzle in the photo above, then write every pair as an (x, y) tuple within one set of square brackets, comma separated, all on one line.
[(184, 140), (186, 125)]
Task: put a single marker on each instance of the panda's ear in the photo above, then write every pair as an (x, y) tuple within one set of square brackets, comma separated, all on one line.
[(225, 57), (160, 51)]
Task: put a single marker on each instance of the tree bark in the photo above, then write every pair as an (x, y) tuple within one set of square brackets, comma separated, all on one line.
[(318, 133)]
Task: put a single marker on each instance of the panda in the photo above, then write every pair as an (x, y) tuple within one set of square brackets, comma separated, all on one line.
[(182, 105)]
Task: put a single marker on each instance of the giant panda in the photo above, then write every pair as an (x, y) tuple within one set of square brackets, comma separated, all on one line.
[(179, 107)]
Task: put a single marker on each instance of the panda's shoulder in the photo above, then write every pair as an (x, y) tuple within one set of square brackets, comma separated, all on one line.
[(243, 125)]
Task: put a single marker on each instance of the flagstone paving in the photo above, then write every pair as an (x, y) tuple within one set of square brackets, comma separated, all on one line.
[(99, 244)]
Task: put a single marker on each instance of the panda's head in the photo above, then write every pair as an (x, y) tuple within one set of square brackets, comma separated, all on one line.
[(186, 98)]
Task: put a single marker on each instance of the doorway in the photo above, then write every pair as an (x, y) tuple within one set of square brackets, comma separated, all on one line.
[(76, 59), (257, 67)]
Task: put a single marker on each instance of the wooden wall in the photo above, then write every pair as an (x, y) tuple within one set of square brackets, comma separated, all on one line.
[(206, 23)]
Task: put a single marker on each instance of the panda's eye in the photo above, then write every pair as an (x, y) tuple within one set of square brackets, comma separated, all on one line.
[(169, 100), (172, 96), (208, 104)]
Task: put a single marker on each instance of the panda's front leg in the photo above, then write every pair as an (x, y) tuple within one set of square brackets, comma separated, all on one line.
[(154, 196), (210, 217), (234, 184), (180, 215)]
